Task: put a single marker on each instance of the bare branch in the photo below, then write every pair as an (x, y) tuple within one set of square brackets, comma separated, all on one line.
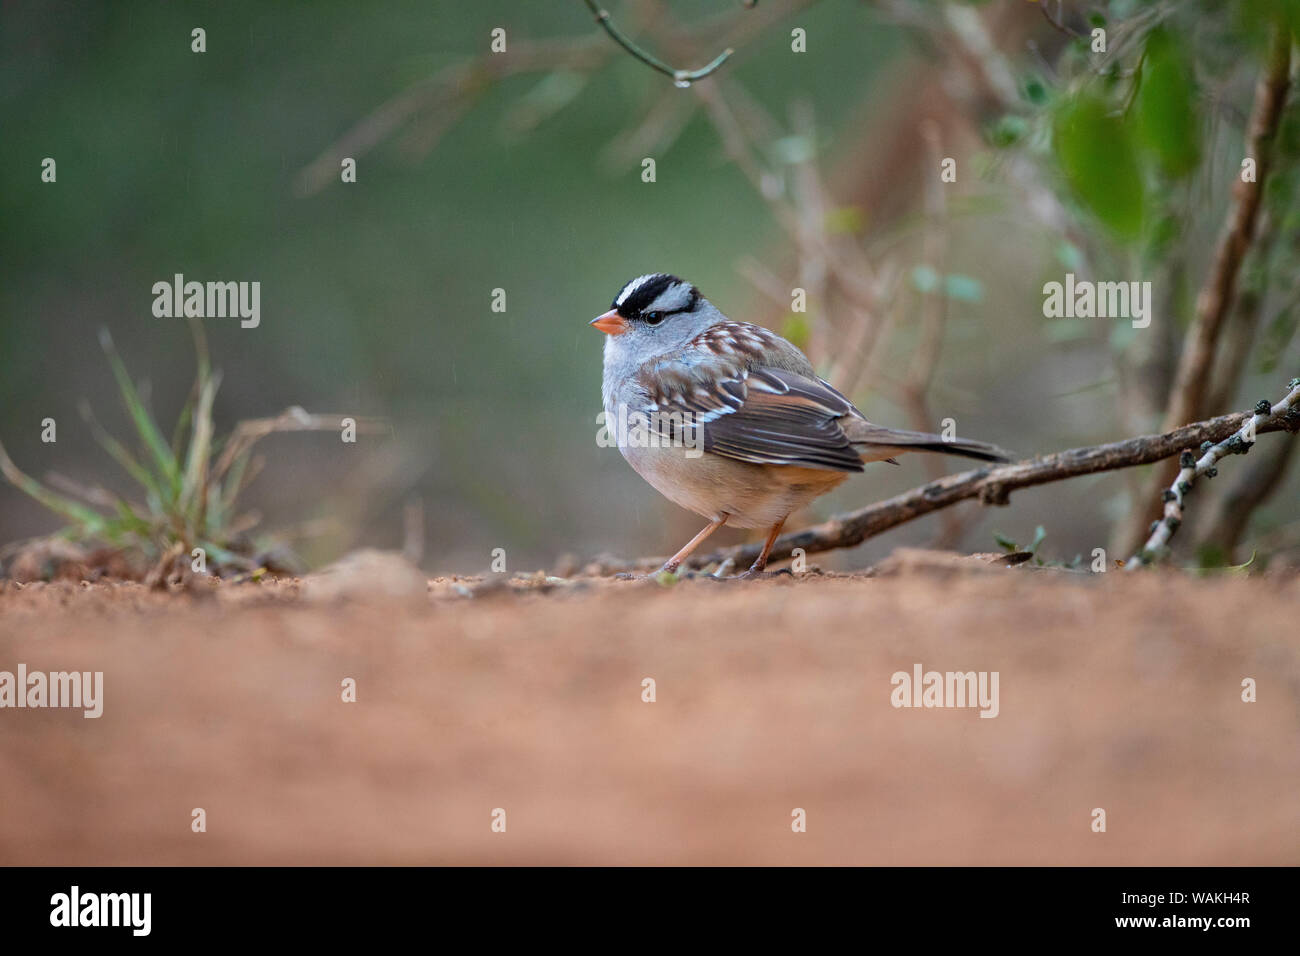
[(1238, 443), (680, 77), (249, 432), (990, 485), (1056, 22), (441, 99), (1226, 519), (1217, 295)]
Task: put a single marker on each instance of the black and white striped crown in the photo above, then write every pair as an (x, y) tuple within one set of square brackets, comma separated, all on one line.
[(638, 295)]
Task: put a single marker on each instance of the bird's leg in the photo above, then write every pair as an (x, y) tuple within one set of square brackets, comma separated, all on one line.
[(756, 569), (673, 563)]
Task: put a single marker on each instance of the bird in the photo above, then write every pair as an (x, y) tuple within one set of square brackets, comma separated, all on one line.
[(732, 421)]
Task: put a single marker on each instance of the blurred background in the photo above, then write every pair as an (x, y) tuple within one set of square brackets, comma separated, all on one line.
[(810, 160)]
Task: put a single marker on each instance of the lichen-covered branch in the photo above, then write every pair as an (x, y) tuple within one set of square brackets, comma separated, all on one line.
[(1238, 443), (1227, 516)]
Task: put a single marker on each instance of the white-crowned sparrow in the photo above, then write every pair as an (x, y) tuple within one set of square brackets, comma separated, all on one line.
[(734, 423)]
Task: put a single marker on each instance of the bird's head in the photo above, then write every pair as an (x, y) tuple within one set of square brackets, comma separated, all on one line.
[(655, 314)]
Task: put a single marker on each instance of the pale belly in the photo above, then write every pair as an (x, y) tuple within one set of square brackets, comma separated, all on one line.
[(750, 496)]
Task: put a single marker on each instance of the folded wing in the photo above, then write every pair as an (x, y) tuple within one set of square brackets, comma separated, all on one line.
[(761, 415), (773, 416)]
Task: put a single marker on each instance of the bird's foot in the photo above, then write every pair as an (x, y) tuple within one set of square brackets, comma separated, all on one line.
[(666, 576), (758, 574), (639, 575)]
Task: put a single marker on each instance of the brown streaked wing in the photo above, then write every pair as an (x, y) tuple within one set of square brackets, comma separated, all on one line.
[(761, 415), (786, 419)]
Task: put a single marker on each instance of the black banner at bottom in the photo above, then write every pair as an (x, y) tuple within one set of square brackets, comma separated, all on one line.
[(333, 905)]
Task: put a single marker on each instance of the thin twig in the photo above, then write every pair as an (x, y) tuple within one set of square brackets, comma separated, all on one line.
[(1056, 22), (680, 77), (446, 95), (1228, 516), (826, 262), (247, 433), (1238, 443)]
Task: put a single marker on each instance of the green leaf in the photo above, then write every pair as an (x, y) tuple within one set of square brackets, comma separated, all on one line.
[(1005, 543), (1167, 124), (1100, 163)]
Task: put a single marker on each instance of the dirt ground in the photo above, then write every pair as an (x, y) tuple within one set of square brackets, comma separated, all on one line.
[(1117, 691)]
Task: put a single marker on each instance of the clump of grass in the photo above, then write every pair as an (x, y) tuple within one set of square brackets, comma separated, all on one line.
[(188, 487)]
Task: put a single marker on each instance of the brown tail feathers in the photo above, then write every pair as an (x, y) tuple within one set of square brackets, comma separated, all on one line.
[(876, 443)]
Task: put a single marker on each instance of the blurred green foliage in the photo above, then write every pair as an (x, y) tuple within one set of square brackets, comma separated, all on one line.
[(376, 295), (1096, 153), (1165, 113)]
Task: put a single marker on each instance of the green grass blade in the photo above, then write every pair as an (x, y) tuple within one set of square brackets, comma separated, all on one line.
[(187, 413), (89, 522), (197, 465), (120, 453), (144, 423), (233, 481), (132, 520)]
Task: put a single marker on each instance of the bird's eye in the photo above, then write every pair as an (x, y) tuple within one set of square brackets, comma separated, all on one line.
[(653, 318)]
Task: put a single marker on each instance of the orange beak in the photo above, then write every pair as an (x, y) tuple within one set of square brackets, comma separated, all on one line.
[(611, 323)]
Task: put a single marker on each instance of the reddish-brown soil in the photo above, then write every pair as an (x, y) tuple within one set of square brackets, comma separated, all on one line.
[(1116, 691)]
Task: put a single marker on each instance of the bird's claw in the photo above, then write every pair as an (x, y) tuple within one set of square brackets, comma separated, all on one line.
[(757, 575)]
